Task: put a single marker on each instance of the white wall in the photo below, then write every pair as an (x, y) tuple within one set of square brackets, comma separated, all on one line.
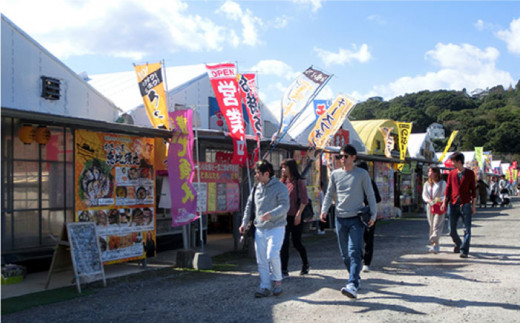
[(24, 62)]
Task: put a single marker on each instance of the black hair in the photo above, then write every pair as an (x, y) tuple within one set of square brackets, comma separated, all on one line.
[(293, 168), (349, 150), (265, 166), (457, 156)]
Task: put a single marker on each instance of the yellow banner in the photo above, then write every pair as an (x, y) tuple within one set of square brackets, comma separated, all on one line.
[(151, 86), (404, 128), (329, 122), (448, 145)]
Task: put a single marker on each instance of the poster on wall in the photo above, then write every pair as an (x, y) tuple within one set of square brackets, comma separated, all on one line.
[(115, 188), (219, 190), (384, 178)]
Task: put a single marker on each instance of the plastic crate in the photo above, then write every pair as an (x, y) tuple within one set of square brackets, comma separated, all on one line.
[(12, 280)]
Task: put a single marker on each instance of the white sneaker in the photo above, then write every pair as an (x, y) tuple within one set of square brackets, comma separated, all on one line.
[(321, 232), (350, 291), (366, 269)]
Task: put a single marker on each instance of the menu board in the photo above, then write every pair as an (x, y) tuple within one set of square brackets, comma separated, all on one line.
[(219, 189), (86, 256), (115, 189)]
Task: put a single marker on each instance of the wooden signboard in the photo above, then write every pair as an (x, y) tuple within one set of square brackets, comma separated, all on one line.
[(80, 238)]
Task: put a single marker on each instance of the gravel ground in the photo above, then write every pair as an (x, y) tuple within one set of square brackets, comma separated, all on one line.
[(407, 284)]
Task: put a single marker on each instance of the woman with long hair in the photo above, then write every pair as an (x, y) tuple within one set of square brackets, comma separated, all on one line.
[(433, 192), (298, 200)]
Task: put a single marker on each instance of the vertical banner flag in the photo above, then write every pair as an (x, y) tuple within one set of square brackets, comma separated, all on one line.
[(479, 156), (404, 128), (248, 89), (448, 145), (297, 96), (386, 132), (152, 90), (181, 169), (330, 121), (224, 82)]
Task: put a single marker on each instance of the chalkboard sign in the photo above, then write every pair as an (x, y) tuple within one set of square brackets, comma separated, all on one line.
[(85, 252)]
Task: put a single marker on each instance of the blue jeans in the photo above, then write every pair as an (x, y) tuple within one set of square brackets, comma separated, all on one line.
[(350, 233), (456, 211)]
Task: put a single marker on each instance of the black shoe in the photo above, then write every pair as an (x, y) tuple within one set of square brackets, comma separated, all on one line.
[(285, 274), (456, 249), (305, 270), (463, 255)]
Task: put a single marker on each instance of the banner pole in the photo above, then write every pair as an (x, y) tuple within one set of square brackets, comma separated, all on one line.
[(201, 223)]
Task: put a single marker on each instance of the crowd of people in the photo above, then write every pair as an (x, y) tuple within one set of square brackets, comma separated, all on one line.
[(274, 209)]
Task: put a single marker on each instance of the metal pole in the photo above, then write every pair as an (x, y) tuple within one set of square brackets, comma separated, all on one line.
[(201, 224)]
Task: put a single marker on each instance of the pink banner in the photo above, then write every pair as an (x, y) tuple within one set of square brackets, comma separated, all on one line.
[(247, 84), (181, 169), (224, 83)]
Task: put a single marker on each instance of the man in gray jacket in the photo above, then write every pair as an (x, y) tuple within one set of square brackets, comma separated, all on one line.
[(271, 203), (349, 185)]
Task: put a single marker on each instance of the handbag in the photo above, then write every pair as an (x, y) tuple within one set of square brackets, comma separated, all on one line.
[(308, 212), (436, 208), (364, 215)]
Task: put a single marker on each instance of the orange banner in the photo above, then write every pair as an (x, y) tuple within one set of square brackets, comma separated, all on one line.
[(152, 90)]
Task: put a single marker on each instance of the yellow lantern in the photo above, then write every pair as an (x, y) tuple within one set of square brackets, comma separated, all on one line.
[(43, 135), (26, 133)]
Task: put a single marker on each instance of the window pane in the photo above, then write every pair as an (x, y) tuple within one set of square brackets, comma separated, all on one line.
[(24, 151), (53, 150), (25, 185), (52, 224), (6, 232), (26, 229), (70, 184)]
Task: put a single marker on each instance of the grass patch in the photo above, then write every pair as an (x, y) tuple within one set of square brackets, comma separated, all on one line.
[(20, 303)]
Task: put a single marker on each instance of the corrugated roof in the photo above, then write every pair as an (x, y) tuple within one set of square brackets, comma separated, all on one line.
[(122, 88)]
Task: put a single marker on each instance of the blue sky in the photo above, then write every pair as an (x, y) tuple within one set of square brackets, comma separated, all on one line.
[(382, 48)]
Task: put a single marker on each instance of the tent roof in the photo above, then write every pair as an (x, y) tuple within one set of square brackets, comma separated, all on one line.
[(368, 131)]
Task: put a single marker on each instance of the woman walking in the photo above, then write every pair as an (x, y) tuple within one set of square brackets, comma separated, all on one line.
[(433, 192), (298, 199)]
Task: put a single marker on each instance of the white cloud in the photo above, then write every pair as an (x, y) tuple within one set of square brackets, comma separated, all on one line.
[(377, 19), (249, 22), (128, 28), (276, 68), (460, 66), (281, 22), (315, 4), (511, 36), (344, 56)]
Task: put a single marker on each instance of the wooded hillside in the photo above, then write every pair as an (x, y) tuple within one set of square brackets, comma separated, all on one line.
[(489, 118)]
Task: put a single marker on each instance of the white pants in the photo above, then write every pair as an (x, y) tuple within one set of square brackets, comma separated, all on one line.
[(268, 243)]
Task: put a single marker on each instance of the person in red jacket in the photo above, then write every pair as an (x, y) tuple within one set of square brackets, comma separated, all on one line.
[(461, 194)]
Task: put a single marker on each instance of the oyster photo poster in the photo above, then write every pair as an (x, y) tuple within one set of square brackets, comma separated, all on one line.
[(115, 189)]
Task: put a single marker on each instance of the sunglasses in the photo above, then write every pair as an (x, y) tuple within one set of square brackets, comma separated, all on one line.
[(340, 156)]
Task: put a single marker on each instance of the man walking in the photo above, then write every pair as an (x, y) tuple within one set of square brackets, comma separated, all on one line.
[(461, 194), (269, 202), (349, 185)]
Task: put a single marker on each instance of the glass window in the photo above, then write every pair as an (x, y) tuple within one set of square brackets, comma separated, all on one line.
[(37, 192), (25, 185), (52, 224), (26, 229)]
